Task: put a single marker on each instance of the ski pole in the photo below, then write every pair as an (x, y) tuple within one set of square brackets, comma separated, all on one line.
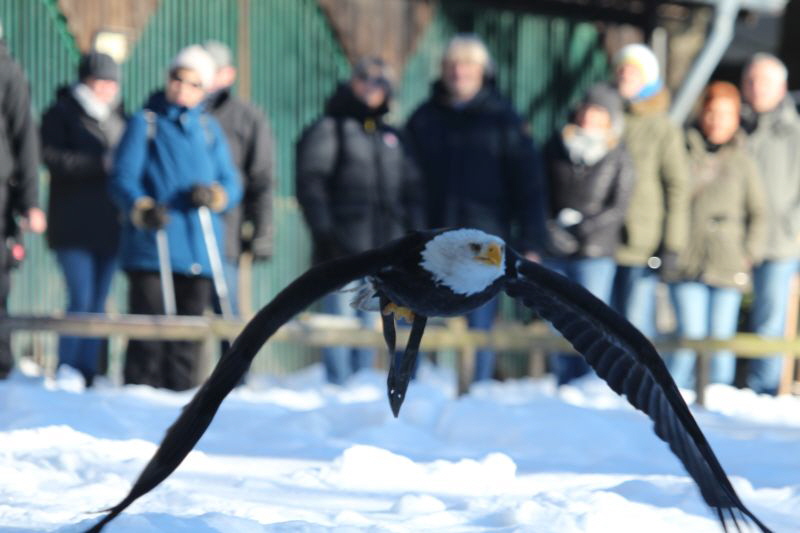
[(217, 272), (165, 272)]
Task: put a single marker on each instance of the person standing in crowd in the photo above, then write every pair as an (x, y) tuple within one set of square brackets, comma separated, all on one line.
[(248, 226), (773, 134), (79, 131), (657, 222), (589, 177), (19, 180), (480, 167), (358, 188), (172, 160), (727, 238)]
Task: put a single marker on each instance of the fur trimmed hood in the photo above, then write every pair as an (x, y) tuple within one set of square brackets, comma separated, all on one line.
[(658, 103)]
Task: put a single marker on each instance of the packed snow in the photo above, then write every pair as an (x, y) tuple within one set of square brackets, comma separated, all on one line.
[(295, 454)]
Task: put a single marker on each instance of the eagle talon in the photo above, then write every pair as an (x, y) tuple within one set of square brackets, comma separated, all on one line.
[(402, 312)]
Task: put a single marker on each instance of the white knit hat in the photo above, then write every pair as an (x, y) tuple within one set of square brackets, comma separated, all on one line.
[(196, 58), (643, 58)]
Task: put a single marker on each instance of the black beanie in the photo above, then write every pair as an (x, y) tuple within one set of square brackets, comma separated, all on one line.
[(99, 66)]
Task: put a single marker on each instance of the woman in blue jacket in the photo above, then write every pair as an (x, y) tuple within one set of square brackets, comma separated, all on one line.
[(172, 160)]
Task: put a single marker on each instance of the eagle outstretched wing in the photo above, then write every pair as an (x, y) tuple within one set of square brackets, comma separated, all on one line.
[(199, 412), (629, 363)]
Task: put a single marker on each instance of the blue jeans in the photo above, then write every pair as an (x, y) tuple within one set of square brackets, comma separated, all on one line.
[(596, 274), (482, 319), (634, 297), (771, 282), (341, 362), (702, 311), (88, 278)]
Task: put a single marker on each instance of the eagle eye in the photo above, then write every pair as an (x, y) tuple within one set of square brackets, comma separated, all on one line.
[(475, 247)]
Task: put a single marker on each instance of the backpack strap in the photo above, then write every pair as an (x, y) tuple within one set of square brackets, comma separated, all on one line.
[(207, 129), (150, 118), (152, 125)]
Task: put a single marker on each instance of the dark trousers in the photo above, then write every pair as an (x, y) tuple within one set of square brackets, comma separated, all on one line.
[(166, 364), (88, 276), (6, 357)]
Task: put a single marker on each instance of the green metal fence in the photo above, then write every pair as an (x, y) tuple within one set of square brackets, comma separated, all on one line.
[(295, 62)]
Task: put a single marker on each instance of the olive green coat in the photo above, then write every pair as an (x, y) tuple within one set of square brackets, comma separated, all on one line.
[(728, 214), (775, 144), (657, 218)]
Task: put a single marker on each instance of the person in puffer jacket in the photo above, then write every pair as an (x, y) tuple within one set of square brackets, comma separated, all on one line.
[(358, 188), (172, 160), (589, 177)]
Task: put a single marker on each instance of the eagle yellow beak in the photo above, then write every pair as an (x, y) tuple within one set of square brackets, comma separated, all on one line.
[(491, 255)]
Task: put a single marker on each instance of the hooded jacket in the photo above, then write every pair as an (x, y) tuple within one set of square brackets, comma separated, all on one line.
[(356, 183), (728, 215), (480, 167), (774, 141), (600, 193), (74, 147), (163, 160), (657, 220)]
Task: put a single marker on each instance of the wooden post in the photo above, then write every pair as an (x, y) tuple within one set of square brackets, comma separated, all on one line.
[(207, 361), (245, 292), (790, 332), (243, 66), (537, 357), (466, 354), (702, 374)]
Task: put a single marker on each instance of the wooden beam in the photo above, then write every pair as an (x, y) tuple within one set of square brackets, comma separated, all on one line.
[(86, 17), (386, 29), (322, 330), (634, 12)]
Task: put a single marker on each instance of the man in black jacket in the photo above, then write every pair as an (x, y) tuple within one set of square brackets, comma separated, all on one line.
[(480, 168), (248, 227), (19, 175), (357, 186)]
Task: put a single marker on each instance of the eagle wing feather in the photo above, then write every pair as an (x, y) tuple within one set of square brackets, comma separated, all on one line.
[(632, 367)]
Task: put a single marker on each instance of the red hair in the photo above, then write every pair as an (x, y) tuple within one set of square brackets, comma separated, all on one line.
[(722, 89)]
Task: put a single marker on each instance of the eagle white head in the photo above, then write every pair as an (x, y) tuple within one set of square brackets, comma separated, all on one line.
[(467, 261)]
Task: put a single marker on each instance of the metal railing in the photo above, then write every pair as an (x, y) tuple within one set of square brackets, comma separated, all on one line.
[(318, 330)]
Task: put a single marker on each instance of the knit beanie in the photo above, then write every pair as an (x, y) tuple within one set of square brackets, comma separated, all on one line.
[(99, 66), (605, 96), (220, 53), (643, 58), (196, 58)]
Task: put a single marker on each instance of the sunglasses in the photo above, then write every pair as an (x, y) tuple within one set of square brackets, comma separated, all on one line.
[(173, 76)]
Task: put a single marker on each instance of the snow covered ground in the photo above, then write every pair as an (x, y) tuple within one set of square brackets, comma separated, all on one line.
[(294, 454)]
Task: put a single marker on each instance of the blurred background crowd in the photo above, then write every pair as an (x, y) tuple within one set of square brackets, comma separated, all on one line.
[(178, 193)]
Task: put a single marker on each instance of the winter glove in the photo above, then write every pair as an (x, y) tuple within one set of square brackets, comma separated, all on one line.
[(212, 196), (146, 214), (258, 244), (569, 217), (561, 243), (260, 248)]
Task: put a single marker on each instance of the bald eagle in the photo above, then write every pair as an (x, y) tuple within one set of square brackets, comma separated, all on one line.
[(445, 273)]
